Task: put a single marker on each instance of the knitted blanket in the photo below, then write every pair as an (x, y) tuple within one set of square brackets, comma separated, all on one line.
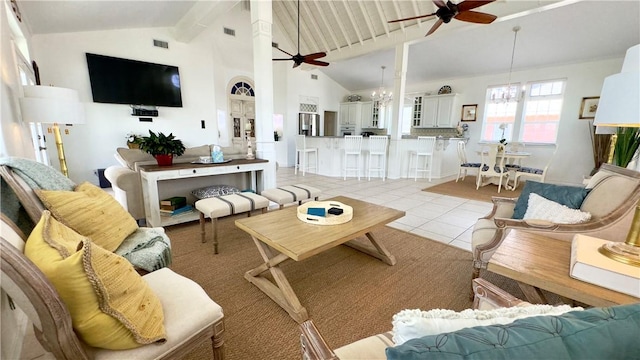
[(37, 175)]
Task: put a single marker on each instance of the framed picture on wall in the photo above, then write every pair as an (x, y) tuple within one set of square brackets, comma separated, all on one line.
[(469, 112), (588, 107)]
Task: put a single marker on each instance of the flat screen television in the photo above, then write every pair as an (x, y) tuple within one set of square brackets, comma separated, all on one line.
[(131, 82)]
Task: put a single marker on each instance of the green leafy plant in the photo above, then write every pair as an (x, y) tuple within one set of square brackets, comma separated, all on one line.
[(161, 144), (626, 145)]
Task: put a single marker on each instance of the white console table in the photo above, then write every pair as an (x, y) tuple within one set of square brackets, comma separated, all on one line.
[(179, 179)]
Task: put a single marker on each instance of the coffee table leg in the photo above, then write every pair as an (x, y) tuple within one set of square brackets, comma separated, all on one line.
[(281, 292), (380, 251), (532, 293)]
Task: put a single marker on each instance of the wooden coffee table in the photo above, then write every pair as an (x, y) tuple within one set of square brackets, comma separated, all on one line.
[(280, 236), (538, 262)]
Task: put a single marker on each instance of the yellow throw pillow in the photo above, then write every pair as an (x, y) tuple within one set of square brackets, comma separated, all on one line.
[(91, 212), (111, 306)]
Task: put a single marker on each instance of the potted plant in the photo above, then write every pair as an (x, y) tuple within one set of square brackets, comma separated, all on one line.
[(133, 140), (626, 145), (162, 147)]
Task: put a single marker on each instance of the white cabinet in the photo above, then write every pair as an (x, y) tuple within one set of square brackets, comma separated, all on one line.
[(349, 113), (369, 115), (380, 116), (434, 111)]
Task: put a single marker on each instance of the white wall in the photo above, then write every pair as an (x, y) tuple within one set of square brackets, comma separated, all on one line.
[(574, 158)]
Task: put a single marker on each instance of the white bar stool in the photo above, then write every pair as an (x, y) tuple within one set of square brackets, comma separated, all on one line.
[(352, 146), (425, 147), (302, 155), (378, 148)]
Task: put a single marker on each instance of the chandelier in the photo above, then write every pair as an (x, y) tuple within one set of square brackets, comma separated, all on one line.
[(381, 95), (510, 93)]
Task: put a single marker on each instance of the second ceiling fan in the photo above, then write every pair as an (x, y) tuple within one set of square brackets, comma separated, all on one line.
[(298, 59), (461, 11)]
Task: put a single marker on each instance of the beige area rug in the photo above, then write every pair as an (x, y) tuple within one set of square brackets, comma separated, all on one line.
[(467, 189), (348, 294)]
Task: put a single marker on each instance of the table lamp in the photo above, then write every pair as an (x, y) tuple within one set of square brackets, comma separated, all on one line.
[(52, 105), (619, 107)]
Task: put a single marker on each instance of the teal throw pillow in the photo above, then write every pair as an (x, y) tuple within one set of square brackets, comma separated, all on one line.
[(570, 196), (596, 333)]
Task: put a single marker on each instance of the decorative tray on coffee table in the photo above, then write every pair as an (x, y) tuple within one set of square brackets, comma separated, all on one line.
[(328, 219)]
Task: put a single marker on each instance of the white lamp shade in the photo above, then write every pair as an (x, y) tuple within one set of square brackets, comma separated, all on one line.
[(619, 105), (48, 104)]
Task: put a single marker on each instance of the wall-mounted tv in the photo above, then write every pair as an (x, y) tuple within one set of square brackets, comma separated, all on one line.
[(123, 81)]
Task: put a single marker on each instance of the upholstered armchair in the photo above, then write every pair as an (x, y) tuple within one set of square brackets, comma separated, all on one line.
[(612, 195)]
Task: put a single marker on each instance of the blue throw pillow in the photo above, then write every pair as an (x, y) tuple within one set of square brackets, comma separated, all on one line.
[(571, 196), (596, 333)]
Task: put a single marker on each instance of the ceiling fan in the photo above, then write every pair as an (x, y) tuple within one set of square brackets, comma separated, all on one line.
[(299, 59), (461, 11)]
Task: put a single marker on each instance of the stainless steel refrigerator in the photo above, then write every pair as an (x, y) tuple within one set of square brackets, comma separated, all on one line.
[(308, 124)]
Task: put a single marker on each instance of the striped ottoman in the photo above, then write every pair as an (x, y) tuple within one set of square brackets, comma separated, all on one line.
[(220, 206), (291, 194)]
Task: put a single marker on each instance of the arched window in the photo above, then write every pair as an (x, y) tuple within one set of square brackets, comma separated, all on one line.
[(241, 106), (242, 88)]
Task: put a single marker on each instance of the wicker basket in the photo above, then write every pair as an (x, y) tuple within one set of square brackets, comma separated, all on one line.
[(328, 219)]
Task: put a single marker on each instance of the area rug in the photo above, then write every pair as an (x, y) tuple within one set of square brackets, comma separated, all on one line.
[(349, 295), (467, 189)]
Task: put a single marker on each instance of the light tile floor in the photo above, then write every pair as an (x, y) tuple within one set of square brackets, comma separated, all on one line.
[(443, 218)]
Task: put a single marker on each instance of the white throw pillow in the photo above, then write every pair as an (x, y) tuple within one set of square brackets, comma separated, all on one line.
[(540, 208), (413, 324)]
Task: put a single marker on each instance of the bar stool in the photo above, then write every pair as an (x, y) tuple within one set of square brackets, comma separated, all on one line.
[(378, 148), (425, 147), (302, 158), (352, 146)]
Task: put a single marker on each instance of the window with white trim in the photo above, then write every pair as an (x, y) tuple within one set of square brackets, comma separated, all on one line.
[(536, 119)]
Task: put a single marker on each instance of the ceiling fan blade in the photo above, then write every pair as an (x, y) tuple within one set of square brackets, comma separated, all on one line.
[(315, 56), (472, 4), (435, 27), (411, 18), (476, 17), (316, 62), (440, 3), (283, 51), (282, 59)]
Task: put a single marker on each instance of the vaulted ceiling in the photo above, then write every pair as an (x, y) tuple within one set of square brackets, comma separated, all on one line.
[(358, 39)]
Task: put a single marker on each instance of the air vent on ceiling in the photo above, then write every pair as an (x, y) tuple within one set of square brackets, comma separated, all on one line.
[(314, 77), (229, 31), (160, 43)]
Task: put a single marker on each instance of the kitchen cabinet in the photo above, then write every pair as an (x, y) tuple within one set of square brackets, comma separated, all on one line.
[(368, 115), (350, 113), (434, 111)]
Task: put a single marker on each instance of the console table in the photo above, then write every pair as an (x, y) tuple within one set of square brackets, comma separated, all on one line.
[(179, 179), (539, 262)]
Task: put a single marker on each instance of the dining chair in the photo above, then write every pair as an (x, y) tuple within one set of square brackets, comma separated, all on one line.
[(378, 149), (514, 147), (533, 173), (492, 166), (464, 164), (352, 147), (302, 155), (425, 147)]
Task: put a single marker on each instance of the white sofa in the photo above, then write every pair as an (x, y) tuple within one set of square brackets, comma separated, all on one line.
[(125, 178)]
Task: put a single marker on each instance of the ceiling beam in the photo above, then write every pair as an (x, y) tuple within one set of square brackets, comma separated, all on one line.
[(281, 14), (368, 20), (398, 14), (353, 21), (316, 28), (382, 18), (326, 25), (335, 15), (415, 9)]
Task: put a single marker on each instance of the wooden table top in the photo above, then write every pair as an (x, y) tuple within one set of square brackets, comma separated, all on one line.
[(544, 263), (283, 231), (191, 165)]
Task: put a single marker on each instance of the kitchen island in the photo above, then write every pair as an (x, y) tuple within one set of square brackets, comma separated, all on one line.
[(331, 157)]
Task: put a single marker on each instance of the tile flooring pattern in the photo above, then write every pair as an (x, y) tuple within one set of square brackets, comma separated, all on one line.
[(443, 218)]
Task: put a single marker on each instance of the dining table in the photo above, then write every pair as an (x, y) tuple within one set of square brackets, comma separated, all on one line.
[(505, 158)]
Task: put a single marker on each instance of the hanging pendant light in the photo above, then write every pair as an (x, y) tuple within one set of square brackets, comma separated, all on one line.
[(381, 95), (510, 94)]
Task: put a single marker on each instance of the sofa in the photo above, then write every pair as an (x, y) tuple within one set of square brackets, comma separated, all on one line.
[(609, 197), (504, 328), (125, 177)]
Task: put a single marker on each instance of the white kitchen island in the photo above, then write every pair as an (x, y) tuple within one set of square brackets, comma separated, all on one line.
[(331, 157)]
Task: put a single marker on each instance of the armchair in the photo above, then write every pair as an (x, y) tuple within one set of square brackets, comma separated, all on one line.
[(611, 202)]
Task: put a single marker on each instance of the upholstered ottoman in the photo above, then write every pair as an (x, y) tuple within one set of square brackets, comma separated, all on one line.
[(291, 194), (225, 205)]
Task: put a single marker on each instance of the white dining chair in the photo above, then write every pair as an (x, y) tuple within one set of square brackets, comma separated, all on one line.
[(352, 147), (514, 147), (533, 173), (424, 147), (377, 150), (302, 155), (464, 164), (492, 166)]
